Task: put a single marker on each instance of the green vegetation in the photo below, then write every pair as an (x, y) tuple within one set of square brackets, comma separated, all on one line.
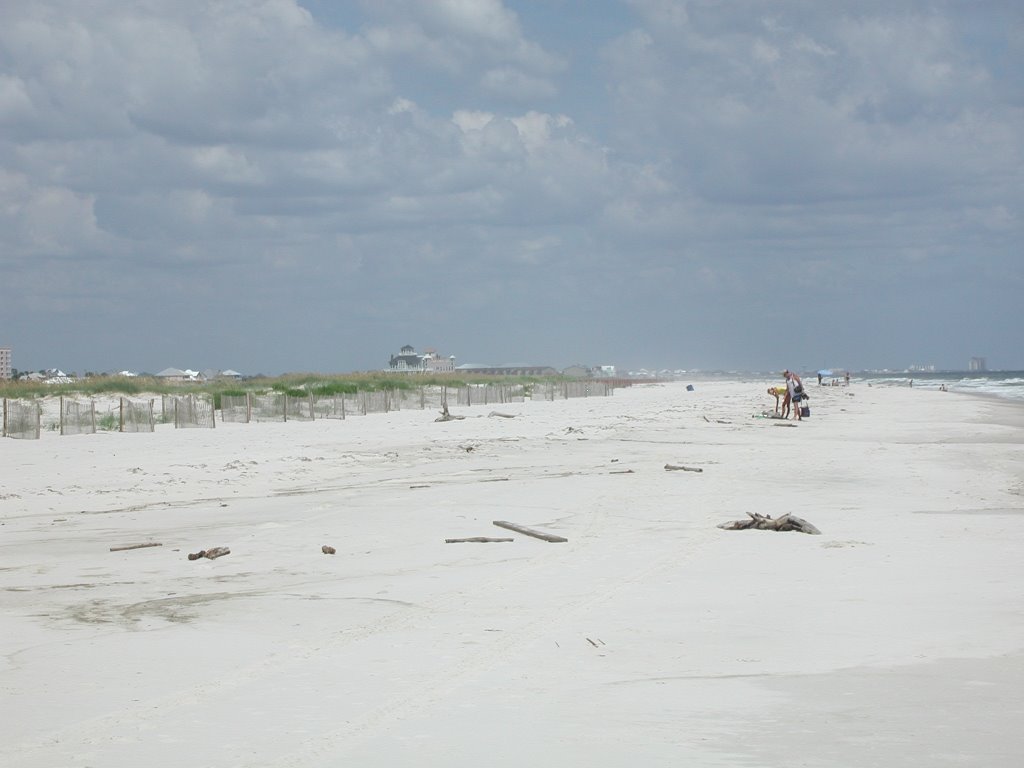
[(108, 422), (293, 384)]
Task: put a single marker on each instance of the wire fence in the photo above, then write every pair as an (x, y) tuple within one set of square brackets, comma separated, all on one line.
[(77, 417), (188, 411), (22, 419), (136, 416), (564, 390)]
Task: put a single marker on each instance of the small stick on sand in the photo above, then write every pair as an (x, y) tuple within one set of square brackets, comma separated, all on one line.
[(475, 539), (685, 469), (136, 546), (502, 415)]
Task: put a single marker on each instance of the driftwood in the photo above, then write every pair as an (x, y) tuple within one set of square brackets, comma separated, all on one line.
[(685, 469), (136, 546), (209, 554), (327, 549), (475, 539), (502, 415), (445, 416), (530, 531), (786, 522)]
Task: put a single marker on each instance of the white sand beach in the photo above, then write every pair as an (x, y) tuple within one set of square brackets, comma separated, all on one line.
[(650, 638)]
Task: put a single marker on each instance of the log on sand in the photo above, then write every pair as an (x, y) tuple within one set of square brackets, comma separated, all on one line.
[(475, 540), (786, 522), (209, 554), (445, 416), (530, 531)]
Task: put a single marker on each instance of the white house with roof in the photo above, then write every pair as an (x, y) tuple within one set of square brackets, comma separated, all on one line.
[(409, 361), (179, 376)]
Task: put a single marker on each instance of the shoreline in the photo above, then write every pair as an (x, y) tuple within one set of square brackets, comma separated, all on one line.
[(892, 638)]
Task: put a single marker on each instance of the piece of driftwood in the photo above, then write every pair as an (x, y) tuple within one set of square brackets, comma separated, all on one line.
[(445, 416), (327, 549), (621, 472), (475, 540), (685, 469), (530, 531), (502, 415), (136, 546), (785, 522), (209, 554)]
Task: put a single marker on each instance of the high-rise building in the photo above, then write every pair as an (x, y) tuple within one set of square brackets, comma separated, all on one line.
[(5, 363), (977, 364)]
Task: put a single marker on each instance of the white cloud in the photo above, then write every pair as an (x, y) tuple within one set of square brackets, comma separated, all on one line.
[(456, 148)]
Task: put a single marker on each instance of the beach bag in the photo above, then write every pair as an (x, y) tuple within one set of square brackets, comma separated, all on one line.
[(805, 411)]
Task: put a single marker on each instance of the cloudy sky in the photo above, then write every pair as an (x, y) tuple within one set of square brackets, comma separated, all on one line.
[(308, 185)]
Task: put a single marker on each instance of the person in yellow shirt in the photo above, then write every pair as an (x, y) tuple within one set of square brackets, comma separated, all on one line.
[(780, 392)]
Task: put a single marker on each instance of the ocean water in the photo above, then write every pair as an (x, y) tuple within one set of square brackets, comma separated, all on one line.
[(1004, 384)]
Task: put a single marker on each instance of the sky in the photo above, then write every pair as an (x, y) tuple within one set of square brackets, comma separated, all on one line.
[(276, 186)]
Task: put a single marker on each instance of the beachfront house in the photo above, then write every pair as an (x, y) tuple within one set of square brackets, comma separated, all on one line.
[(409, 361), (178, 376)]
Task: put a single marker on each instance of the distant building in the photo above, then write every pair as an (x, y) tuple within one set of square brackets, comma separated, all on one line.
[(409, 361), (178, 376), (5, 362), (213, 375), (977, 364)]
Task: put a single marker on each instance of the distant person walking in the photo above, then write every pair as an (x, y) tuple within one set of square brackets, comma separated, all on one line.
[(794, 393)]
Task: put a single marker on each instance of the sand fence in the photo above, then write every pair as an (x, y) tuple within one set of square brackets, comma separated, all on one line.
[(24, 419)]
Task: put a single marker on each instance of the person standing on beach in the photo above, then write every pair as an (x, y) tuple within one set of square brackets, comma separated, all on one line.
[(794, 393)]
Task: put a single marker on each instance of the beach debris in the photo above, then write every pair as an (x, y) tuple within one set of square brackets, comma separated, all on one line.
[(530, 531), (327, 549), (136, 546), (475, 540), (596, 644), (209, 554), (445, 416), (621, 472), (503, 415), (670, 467), (761, 522)]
